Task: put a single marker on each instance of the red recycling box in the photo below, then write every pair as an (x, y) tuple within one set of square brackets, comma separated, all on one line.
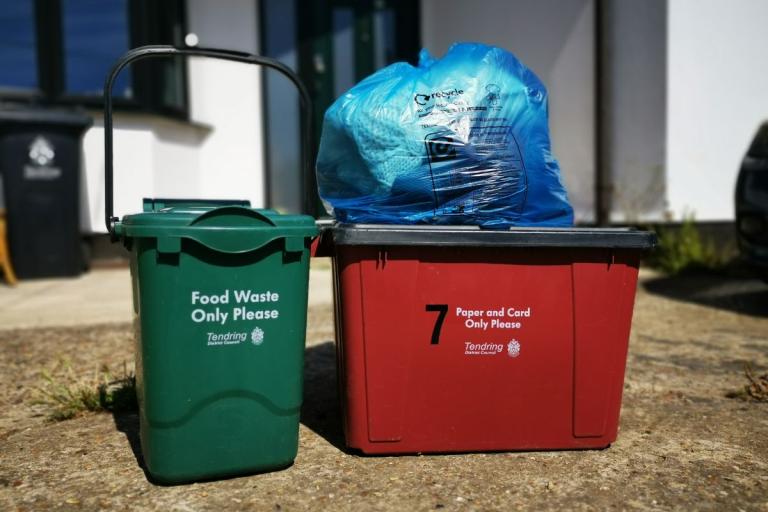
[(456, 339)]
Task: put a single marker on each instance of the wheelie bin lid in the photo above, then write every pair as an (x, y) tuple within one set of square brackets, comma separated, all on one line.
[(474, 236), (44, 117), (225, 226)]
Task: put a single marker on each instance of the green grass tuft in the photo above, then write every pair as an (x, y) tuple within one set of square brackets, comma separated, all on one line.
[(683, 249), (69, 395)]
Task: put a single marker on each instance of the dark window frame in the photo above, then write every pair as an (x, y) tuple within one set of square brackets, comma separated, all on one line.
[(145, 27)]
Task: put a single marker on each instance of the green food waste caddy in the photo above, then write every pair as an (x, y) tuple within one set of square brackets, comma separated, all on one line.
[(220, 302)]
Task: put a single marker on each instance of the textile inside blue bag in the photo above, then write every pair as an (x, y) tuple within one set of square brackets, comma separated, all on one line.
[(457, 140)]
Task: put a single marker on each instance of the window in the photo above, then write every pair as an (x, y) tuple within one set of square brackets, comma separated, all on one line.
[(59, 52), (94, 34), (18, 49)]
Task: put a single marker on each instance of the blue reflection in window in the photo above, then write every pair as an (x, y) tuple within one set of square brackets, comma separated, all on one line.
[(343, 20), (283, 126), (383, 38), (18, 49), (95, 35)]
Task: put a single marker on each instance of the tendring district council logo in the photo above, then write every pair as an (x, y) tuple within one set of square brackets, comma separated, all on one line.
[(513, 348), (257, 336)]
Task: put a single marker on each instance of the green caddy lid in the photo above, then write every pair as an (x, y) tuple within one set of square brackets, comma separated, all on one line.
[(224, 226)]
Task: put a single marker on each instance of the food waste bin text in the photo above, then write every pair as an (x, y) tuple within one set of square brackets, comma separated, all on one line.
[(220, 301), (457, 339)]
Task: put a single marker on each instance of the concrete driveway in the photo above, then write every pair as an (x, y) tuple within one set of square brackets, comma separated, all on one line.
[(683, 445)]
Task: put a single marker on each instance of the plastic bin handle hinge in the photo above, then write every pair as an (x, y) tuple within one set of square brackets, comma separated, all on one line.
[(115, 229)]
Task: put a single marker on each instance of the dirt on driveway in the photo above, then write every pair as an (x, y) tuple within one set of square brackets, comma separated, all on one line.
[(682, 445)]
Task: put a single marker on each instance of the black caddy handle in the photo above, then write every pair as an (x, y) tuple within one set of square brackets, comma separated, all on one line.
[(168, 51)]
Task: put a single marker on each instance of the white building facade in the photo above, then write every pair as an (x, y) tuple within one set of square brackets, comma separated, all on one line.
[(652, 103)]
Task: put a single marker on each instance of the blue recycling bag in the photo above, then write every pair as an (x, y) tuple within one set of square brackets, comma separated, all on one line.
[(457, 140)]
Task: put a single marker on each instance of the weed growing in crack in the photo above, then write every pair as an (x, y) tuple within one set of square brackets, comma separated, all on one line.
[(69, 395), (756, 390)]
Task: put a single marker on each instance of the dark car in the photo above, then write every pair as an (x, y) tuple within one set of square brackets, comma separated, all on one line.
[(752, 203)]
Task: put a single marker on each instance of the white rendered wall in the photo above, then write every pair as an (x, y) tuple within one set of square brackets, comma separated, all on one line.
[(634, 107), (219, 155), (227, 96), (147, 149), (555, 39), (717, 95)]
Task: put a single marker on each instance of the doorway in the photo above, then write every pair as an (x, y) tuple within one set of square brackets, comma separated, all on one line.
[(333, 44)]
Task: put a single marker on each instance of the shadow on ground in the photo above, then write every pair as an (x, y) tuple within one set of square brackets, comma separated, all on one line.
[(128, 424), (739, 294), (321, 411)]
